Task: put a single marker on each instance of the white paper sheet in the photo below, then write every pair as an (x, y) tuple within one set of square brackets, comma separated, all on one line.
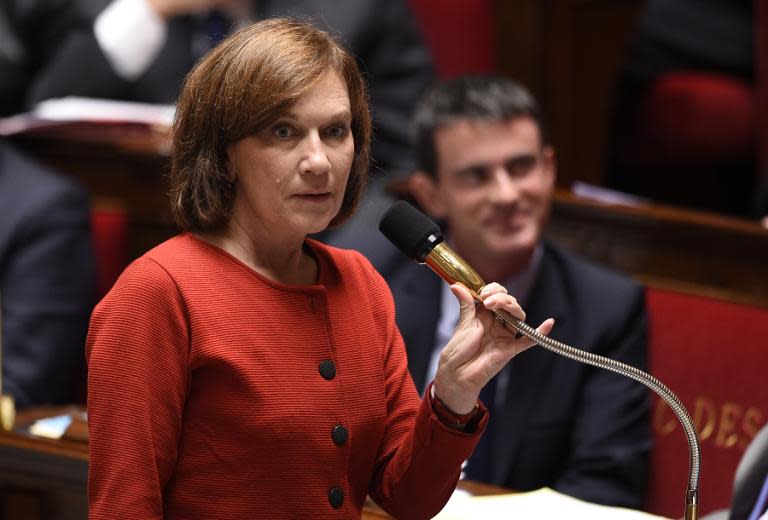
[(535, 505)]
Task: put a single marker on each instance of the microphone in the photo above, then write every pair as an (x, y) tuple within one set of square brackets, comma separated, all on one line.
[(420, 239)]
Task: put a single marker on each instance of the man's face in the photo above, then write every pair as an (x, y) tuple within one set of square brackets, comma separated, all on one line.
[(494, 186)]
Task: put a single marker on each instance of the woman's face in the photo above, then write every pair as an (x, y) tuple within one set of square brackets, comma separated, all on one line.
[(291, 176)]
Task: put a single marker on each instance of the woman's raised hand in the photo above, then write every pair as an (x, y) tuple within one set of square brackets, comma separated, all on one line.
[(480, 346)]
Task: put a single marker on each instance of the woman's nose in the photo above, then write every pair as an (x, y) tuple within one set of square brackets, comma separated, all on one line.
[(314, 159)]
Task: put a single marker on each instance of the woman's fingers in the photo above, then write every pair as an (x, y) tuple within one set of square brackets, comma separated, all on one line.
[(546, 327), (495, 297), (470, 331)]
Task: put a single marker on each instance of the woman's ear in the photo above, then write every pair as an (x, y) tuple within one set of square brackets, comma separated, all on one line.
[(423, 187)]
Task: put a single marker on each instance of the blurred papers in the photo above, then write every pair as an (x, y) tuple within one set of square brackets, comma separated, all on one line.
[(69, 110), (51, 427), (542, 503), (607, 195)]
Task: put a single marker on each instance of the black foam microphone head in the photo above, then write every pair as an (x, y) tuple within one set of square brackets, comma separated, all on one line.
[(410, 230)]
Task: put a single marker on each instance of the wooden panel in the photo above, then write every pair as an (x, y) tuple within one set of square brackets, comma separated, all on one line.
[(569, 52), (668, 247), (520, 43), (42, 479)]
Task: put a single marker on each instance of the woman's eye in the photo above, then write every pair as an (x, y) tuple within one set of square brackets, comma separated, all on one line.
[(283, 132), (337, 131)]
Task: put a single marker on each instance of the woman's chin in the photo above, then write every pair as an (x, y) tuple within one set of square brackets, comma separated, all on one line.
[(318, 225)]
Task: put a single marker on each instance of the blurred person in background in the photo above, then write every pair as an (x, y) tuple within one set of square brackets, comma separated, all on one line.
[(749, 500), (47, 266), (47, 281), (141, 50), (32, 32), (486, 170)]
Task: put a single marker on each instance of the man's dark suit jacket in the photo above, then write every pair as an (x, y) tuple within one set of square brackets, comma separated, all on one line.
[(382, 34), (47, 280), (576, 428)]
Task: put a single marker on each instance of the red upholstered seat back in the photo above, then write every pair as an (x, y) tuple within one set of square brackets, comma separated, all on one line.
[(109, 232), (109, 235), (460, 34), (692, 118), (714, 356)]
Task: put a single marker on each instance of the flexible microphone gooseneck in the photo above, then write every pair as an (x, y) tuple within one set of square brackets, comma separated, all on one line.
[(420, 238)]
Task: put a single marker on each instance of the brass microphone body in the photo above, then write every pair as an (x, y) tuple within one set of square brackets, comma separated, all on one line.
[(452, 268)]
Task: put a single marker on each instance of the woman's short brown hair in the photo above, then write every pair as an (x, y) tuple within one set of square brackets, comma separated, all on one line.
[(240, 88)]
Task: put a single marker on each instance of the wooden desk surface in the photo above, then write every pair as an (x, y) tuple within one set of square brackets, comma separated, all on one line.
[(42, 479)]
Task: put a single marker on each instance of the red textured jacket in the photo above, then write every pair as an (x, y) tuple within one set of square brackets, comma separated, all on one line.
[(214, 392)]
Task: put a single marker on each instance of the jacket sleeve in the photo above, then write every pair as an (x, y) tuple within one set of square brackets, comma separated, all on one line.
[(138, 351), (420, 458), (48, 291), (608, 460)]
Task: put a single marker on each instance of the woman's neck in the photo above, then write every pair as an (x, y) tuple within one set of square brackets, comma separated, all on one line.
[(281, 259)]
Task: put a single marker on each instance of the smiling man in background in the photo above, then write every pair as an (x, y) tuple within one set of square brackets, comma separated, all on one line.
[(486, 171)]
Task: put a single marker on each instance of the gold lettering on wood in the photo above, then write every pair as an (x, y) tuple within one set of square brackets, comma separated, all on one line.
[(727, 425), (726, 431), (704, 417)]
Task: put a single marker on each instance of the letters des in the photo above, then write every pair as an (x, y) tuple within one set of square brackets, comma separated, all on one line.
[(725, 424)]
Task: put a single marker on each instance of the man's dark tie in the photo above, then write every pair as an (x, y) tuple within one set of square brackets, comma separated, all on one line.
[(479, 465)]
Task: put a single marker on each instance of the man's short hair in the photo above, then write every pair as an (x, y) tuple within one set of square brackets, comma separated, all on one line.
[(480, 98)]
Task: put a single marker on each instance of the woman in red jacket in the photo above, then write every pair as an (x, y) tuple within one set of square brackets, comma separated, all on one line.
[(242, 370)]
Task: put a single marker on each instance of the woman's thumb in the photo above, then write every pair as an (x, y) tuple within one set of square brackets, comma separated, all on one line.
[(466, 303)]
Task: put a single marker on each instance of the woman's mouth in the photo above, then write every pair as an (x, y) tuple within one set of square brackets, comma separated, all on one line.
[(314, 197)]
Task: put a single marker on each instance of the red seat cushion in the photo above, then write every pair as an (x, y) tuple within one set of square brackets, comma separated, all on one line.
[(694, 118), (714, 355), (109, 232)]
